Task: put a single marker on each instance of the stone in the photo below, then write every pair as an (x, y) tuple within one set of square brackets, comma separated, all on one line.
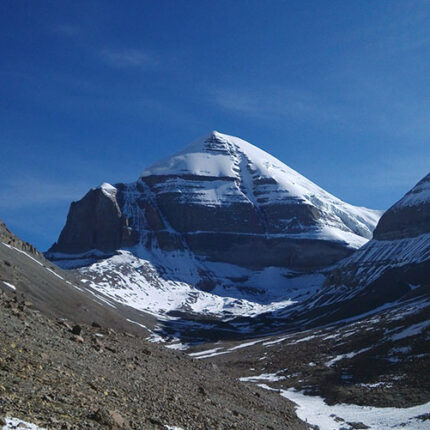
[(112, 419), (255, 227), (358, 425), (78, 339), (77, 329)]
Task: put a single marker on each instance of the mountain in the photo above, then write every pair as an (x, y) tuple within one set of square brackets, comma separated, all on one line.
[(400, 244), (393, 266), (220, 228), (224, 200)]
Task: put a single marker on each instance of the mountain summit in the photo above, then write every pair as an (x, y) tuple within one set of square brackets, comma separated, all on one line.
[(223, 199)]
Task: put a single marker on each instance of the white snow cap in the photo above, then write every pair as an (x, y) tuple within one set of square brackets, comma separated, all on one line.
[(108, 190), (258, 173)]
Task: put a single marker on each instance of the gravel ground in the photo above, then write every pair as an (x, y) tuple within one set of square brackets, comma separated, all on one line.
[(64, 376)]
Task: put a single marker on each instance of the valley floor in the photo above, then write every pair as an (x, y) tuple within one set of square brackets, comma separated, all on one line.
[(369, 372)]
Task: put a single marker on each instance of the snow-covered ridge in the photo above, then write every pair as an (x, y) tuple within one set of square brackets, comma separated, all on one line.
[(376, 256), (256, 177), (418, 195)]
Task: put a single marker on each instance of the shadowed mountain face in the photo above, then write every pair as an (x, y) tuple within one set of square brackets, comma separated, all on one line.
[(409, 217), (223, 200)]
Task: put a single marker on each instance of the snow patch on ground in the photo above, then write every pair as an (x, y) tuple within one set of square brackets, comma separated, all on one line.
[(11, 286), (314, 410), (343, 356), (412, 330), (270, 377), (16, 423)]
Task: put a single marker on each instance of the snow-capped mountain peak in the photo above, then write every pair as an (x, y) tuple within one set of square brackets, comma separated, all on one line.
[(258, 177), (221, 225)]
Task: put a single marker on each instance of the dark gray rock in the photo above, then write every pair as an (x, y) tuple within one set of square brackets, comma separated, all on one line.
[(95, 222), (410, 217)]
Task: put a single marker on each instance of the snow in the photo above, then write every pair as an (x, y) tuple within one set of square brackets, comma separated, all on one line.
[(420, 194), (241, 172), (178, 346), (54, 273), (213, 354), (276, 341), (108, 190), (246, 344), (314, 410), (23, 252), (159, 282), (270, 377), (412, 330), (200, 353), (220, 350), (16, 423), (11, 286), (343, 356)]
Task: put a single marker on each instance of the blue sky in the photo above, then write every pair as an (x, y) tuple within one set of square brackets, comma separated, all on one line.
[(95, 91)]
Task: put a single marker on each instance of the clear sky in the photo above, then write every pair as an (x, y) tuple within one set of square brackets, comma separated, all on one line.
[(94, 91)]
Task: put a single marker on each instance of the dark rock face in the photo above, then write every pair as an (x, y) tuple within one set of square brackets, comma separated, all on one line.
[(403, 223), (409, 217), (95, 222), (219, 201)]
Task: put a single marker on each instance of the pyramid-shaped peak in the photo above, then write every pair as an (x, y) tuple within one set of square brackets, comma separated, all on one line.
[(214, 154), (215, 139)]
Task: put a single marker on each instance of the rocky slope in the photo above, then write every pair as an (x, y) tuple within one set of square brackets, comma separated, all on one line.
[(25, 271), (109, 379), (69, 360)]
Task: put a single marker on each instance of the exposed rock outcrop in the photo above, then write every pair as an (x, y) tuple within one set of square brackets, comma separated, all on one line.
[(409, 217), (95, 222)]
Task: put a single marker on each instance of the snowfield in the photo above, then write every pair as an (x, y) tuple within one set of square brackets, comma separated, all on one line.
[(314, 410), (165, 282), (16, 423)]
